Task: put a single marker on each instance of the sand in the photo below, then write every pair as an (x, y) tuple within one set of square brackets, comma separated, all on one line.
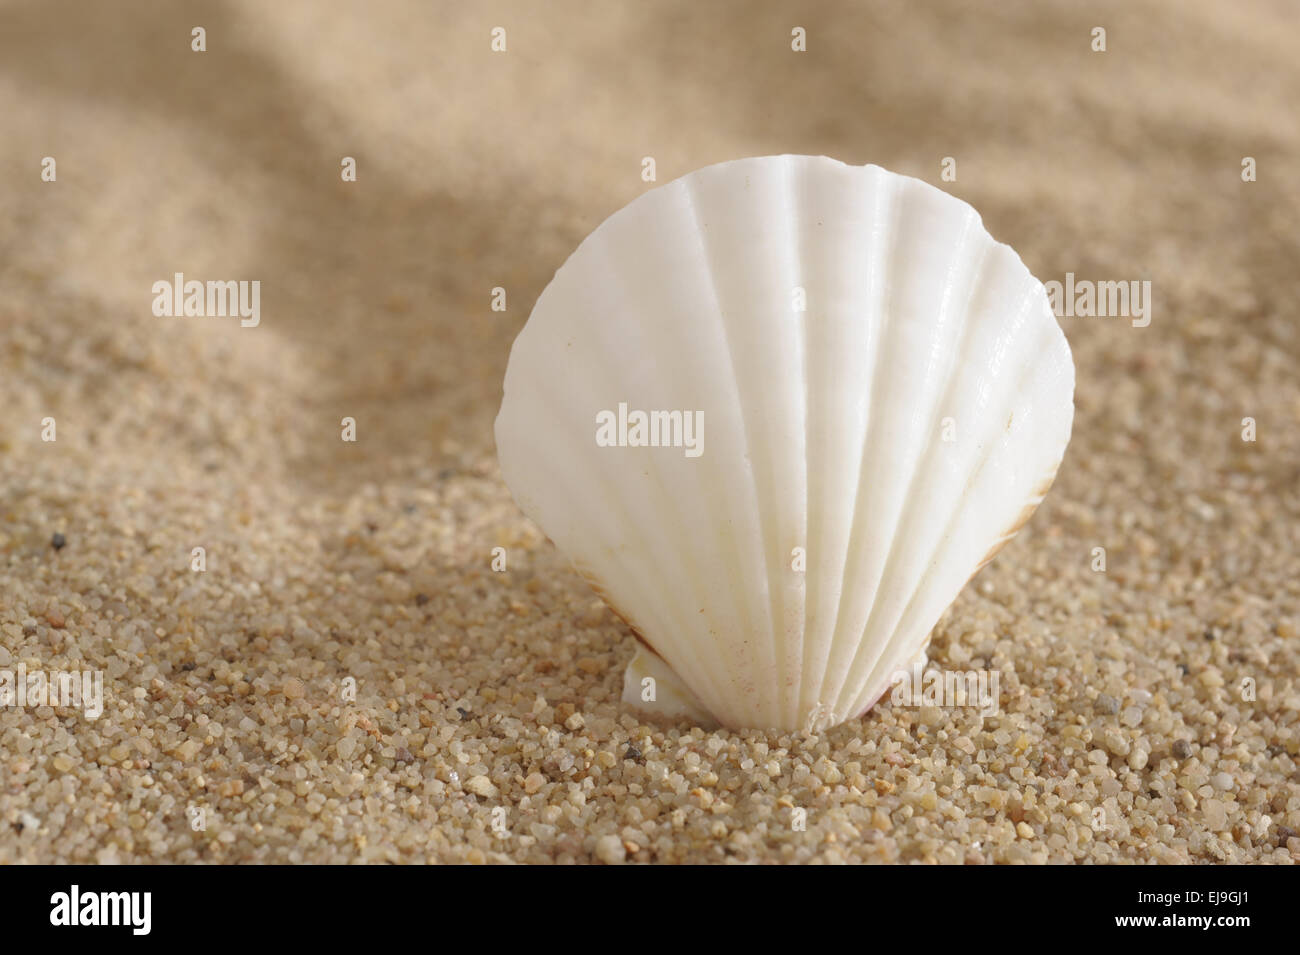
[(349, 681)]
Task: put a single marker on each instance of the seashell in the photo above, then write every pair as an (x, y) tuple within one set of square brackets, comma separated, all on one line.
[(777, 413)]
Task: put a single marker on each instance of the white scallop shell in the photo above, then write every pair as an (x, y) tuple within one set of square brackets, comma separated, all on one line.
[(899, 430)]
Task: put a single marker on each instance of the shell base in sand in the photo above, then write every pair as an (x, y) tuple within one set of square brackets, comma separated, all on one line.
[(665, 695)]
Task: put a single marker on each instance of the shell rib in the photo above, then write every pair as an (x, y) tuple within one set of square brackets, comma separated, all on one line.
[(897, 430)]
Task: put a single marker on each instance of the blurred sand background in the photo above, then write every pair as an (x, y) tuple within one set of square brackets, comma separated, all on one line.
[(475, 690)]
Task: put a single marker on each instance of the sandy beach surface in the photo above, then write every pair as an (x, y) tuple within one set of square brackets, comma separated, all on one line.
[(348, 680)]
